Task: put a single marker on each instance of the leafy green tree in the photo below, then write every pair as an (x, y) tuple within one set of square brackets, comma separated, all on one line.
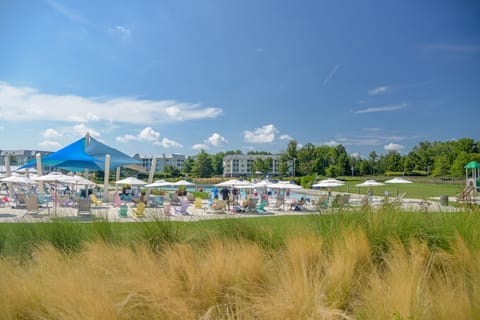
[(393, 162), (187, 165), (441, 166), (202, 167), (171, 171), (217, 163)]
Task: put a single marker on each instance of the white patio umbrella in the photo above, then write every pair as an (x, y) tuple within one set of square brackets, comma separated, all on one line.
[(398, 181), (328, 183), (234, 183), (132, 181), (159, 183), (183, 183), (370, 183), (284, 185), (18, 180)]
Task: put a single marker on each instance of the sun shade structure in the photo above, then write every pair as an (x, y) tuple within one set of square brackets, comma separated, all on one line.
[(328, 183), (370, 183), (132, 181), (86, 153)]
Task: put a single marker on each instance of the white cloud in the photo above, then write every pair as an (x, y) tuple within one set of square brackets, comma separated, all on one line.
[(49, 145), (167, 143), (285, 137), (200, 146), (81, 129), (331, 143), (393, 147), (264, 134), (27, 104), (383, 109), (378, 90), (147, 134), (51, 133), (216, 140), (121, 31)]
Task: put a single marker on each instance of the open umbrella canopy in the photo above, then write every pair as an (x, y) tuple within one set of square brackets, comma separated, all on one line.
[(85, 153), (18, 179), (79, 180), (472, 165), (52, 177), (183, 183), (284, 185), (370, 183), (132, 181), (328, 183), (159, 183), (233, 183), (398, 180)]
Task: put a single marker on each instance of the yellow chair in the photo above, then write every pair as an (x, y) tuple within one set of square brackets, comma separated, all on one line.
[(140, 210), (94, 200)]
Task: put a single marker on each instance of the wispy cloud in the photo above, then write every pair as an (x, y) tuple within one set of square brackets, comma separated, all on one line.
[(454, 48), (264, 134), (122, 32), (51, 133), (168, 143), (49, 145), (200, 146), (28, 104), (330, 75), (378, 90), (383, 108), (285, 137), (67, 12)]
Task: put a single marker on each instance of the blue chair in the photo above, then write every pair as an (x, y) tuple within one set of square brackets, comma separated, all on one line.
[(123, 211)]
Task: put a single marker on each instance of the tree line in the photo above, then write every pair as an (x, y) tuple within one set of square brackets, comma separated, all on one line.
[(441, 159)]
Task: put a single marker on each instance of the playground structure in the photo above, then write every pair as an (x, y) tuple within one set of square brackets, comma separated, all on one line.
[(469, 194)]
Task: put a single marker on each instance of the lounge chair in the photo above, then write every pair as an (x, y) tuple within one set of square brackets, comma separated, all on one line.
[(261, 207), (123, 211), (84, 206), (217, 207), (183, 209), (117, 202), (198, 204), (32, 204), (21, 201), (139, 211), (252, 204), (95, 201), (157, 201)]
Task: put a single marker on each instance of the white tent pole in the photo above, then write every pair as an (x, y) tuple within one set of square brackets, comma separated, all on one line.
[(106, 178), (7, 169), (117, 177), (38, 157), (151, 174)]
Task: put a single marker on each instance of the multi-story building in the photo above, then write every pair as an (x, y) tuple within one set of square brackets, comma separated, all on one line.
[(18, 158), (237, 165), (175, 160)]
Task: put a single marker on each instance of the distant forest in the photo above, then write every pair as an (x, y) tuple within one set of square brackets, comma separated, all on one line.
[(441, 159)]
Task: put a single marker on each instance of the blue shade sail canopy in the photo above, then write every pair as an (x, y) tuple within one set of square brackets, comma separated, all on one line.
[(85, 153)]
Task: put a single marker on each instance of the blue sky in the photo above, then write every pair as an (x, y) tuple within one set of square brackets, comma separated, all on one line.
[(177, 76)]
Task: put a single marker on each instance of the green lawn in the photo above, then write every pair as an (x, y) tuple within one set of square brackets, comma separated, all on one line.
[(419, 190)]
